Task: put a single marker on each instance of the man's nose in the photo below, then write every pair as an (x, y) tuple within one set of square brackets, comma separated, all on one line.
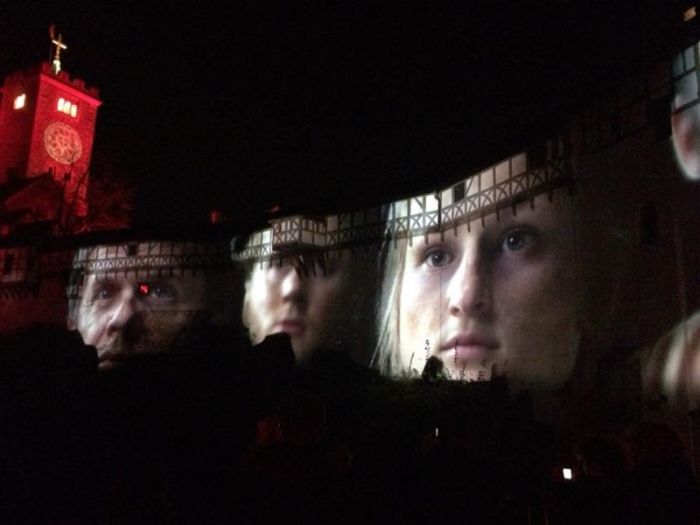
[(122, 312), (469, 291), (292, 286)]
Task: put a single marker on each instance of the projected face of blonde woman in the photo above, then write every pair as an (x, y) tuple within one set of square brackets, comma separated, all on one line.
[(500, 299), (282, 299)]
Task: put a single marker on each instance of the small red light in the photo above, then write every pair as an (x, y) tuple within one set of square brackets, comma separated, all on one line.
[(143, 289)]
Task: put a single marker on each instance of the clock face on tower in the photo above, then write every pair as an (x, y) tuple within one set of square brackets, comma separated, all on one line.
[(62, 142)]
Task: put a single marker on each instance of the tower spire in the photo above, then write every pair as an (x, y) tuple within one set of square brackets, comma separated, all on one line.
[(57, 47)]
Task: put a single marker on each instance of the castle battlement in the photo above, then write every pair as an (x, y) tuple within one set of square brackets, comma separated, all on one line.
[(77, 83), (45, 68)]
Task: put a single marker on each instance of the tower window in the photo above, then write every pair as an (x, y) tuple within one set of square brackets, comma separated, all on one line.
[(20, 101), (67, 107)]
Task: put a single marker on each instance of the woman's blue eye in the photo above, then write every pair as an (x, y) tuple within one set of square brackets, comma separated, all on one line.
[(515, 240), (437, 257)]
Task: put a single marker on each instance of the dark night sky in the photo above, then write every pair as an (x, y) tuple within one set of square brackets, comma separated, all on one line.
[(322, 106)]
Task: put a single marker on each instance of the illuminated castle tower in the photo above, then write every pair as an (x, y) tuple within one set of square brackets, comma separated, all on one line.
[(47, 126)]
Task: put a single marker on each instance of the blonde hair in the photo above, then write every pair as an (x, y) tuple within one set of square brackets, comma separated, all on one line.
[(386, 356)]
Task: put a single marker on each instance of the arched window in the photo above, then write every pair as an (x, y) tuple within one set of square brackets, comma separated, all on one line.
[(67, 107), (20, 101)]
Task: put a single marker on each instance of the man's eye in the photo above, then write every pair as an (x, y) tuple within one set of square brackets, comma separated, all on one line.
[(103, 293), (437, 257), (517, 239), (162, 292)]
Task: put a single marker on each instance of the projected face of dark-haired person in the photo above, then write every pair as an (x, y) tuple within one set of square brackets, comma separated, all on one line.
[(303, 302), (686, 140), (125, 314), (501, 299), (685, 118), (673, 367)]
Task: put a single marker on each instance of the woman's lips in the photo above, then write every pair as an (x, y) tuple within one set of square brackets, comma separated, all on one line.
[(465, 354), (467, 348)]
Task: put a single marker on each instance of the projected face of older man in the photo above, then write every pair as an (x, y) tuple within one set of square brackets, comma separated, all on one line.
[(303, 303), (125, 315)]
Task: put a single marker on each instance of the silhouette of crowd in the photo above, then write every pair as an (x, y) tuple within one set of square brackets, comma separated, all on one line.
[(233, 433)]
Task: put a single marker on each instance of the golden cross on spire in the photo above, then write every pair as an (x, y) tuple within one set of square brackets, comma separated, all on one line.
[(59, 46)]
